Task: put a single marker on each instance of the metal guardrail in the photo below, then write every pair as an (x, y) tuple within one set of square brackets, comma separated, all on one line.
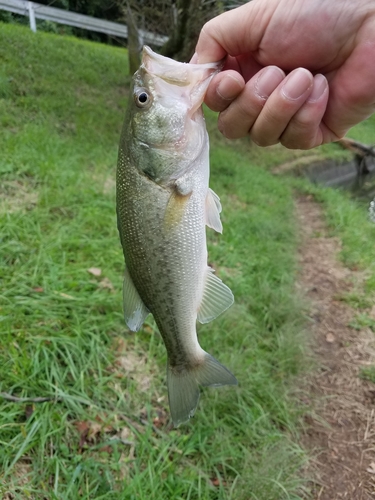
[(38, 11)]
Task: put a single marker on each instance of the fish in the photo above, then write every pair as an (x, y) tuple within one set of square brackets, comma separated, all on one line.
[(163, 204)]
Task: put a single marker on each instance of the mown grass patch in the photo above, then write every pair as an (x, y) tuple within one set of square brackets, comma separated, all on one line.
[(105, 433)]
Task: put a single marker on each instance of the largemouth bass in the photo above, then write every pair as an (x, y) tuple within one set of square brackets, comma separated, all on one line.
[(163, 206)]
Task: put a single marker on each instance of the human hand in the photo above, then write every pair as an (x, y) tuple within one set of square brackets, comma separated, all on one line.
[(327, 50)]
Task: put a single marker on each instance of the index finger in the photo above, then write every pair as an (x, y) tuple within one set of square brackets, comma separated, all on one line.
[(235, 32)]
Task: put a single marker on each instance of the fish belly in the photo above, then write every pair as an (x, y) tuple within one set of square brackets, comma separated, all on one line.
[(166, 258), (166, 262)]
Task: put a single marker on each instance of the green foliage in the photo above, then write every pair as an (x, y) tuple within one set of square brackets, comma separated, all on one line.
[(363, 321), (348, 218), (62, 335), (368, 373), (364, 132)]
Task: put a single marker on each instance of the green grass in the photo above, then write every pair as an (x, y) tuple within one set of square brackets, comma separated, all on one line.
[(368, 373), (348, 219), (364, 132), (363, 321), (62, 335), (105, 432)]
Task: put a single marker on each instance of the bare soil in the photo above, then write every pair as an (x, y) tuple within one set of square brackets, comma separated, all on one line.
[(340, 429)]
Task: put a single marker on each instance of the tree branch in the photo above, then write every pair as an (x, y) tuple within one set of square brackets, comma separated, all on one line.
[(357, 147)]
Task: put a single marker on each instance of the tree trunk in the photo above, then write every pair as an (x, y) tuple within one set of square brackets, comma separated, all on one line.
[(134, 42), (184, 36)]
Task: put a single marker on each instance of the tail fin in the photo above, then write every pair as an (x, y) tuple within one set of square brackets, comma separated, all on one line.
[(183, 386)]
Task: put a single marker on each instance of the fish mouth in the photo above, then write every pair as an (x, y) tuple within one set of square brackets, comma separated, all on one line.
[(190, 81)]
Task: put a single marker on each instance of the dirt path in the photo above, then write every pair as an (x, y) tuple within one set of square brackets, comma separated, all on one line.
[(341, 428)]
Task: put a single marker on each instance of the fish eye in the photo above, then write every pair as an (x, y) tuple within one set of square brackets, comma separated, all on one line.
[(142, 98)]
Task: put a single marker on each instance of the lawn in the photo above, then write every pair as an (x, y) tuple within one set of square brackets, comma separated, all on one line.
[(104, 432)]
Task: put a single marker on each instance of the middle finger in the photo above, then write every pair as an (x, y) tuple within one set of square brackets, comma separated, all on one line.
[(281, 106), (241, 114)]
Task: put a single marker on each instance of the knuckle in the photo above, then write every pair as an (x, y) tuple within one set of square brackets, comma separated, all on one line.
[(230, 132), (304, 123), (303, 131), (273, 119), (215, 102), (248, 108), (295, 140), (296, 144), (208, 29), (262, 140)]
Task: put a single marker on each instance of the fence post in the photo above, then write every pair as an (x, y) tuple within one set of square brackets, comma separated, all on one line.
[(30, 7)]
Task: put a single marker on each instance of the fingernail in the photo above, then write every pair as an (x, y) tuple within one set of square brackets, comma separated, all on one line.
[(268, 80), (227, 90), (297, 83), (194, 59), (319, 87)]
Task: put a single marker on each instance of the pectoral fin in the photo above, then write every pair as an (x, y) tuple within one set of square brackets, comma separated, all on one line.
[(217, 297), (135, 312), (175, 209), (213, 209)]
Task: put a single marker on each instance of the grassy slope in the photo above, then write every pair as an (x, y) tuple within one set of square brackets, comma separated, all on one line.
[(61, 328), (347, 217)]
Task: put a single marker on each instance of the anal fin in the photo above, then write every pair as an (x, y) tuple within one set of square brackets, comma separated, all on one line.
[(217, 297), (135, 312)]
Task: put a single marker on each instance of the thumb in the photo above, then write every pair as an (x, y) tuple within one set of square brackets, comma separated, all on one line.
[(235, 32)]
